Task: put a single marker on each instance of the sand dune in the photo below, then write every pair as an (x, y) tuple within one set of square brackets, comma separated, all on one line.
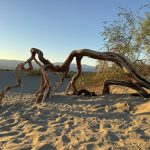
[(75, 122)]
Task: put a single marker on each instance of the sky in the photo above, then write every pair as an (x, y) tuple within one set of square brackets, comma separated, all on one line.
[(55, 26)]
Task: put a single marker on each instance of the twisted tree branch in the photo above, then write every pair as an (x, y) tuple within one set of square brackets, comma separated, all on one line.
[(136, 81)]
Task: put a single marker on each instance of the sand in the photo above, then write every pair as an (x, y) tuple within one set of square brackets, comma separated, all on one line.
[(111, 122)]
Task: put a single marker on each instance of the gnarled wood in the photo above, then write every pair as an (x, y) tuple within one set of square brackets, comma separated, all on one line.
[(45, 82), (136, 81), (138, 88)]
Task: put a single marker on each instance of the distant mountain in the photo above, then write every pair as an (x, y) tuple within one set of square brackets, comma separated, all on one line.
[(85, 67), (11, 64)]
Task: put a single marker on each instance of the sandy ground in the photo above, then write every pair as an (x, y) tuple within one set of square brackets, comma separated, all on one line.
[(8, 78), (111, 122)]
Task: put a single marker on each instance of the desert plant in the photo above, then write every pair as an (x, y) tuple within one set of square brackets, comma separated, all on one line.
[(34, 72)]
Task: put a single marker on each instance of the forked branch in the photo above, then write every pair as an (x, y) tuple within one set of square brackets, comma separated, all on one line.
[(136, 81)]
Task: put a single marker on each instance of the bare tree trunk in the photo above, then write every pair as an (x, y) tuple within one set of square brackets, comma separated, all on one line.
[(138, 88), (75, 77), (136, 81)]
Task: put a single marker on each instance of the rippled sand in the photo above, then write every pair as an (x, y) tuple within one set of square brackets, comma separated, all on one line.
[(75, 123)]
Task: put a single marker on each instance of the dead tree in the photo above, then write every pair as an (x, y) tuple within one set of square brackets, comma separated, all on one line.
[(45, 84), (135, 80)]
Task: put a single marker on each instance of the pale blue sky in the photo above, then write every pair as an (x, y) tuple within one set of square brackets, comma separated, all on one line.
[(55, 26)]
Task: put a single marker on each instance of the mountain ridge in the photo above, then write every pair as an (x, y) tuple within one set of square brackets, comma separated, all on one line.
[(11, 64)]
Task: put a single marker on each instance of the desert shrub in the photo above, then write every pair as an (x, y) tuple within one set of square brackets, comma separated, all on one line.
[(127, 34), (143, 68), (108, 70), (34, 72), (86, 80), (70, 74)]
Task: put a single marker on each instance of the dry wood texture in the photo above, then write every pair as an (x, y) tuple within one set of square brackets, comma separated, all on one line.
[(135, 81)]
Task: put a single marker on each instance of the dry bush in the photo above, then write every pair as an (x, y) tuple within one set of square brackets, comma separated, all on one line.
[(143, 68), (106, 70)]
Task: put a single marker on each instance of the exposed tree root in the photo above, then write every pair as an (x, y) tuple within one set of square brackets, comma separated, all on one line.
[(136, 81)]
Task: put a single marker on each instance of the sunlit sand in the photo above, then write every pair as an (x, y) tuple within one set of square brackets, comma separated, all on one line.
[(75, 122)]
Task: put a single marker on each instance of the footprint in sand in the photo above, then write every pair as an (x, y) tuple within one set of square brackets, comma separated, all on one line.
[(21, 135), (42, 137), (17, 141), (42, 129), (111, 137), (94, 126), (9, 133), (69, 125), (65, 139), (62, 141), (141, 133), (47, 147), (7, 125), (107, 125), (92, 147), (92, 139), (61, 119), (58, 129), (4, 121)]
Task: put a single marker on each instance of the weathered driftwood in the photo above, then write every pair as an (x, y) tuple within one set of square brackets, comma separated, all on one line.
[(135, 81), (45, 84)]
